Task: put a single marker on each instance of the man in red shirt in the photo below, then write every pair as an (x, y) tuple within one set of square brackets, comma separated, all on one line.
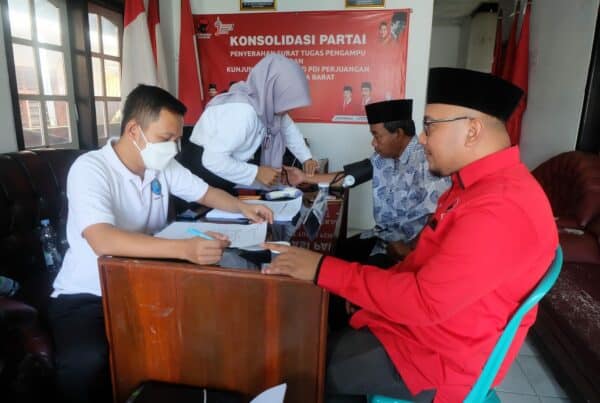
[(426, 326), (350, 107)]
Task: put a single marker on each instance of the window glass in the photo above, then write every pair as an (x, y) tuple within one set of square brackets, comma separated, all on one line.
[(20, 22), (97, 76), (59, 128), (110, 38), (53, 72), (114, 118), (31, 120), (27, 80), (94, 33), (101, 120), (112, 75), (47, 22)]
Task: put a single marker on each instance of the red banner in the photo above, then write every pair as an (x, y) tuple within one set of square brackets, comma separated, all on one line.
[(350, 57)]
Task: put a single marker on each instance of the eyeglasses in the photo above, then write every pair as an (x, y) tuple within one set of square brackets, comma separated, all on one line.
[(428, 123)]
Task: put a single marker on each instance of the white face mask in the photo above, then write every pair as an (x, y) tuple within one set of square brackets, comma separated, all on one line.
[(157, 155)]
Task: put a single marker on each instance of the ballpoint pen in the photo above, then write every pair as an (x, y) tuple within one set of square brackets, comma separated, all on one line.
[(200, 234)]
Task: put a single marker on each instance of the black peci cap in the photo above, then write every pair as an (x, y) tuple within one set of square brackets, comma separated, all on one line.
[(389, 111), (473, 89)]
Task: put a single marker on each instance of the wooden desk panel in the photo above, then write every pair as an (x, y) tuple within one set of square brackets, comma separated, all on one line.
[(221, 328)]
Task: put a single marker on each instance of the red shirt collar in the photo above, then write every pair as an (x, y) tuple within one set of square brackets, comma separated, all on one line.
[(487, 165)]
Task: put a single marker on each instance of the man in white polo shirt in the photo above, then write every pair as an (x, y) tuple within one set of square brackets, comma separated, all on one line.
[(118, 197)]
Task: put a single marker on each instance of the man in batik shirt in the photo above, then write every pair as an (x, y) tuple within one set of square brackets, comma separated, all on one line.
[(405, 193)]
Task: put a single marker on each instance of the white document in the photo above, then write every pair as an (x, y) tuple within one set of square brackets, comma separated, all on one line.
[(240, 235), (256, 185), (283, 210), (271, 395)]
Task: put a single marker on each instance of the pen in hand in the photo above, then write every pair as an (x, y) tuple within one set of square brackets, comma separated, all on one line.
[(198, 233)]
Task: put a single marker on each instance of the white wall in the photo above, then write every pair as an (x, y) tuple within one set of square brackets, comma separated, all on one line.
[(340, 143), (562, 34), (482, 36), (8, 137), (445, 45)]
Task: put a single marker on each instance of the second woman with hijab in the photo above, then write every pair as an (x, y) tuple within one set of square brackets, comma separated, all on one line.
[(243, 134)]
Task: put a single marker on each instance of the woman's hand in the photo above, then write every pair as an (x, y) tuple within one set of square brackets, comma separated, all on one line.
[(268, 176), (310, 167), (256, 212)]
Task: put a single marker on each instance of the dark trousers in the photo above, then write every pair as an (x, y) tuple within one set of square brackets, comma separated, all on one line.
[(81, 348), (355, 249), (358, 365)]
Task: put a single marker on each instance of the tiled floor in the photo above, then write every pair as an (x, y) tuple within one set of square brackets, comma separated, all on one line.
[(529, 380)]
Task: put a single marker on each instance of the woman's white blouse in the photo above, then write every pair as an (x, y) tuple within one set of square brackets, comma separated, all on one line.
[(231, 134)]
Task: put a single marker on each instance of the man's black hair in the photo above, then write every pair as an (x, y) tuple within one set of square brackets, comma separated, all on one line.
[(399, 17), (347, 88), (145, 102), (407, 126), (212, 85), (382, 23), (366, 84)]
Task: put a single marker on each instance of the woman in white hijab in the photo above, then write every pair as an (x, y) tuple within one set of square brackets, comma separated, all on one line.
[(253, 114)]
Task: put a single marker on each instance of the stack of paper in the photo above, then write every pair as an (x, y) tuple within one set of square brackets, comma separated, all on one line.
[(283, 210)]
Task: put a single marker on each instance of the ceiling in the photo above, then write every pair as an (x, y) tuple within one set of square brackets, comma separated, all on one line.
[(457, 10), (451, 9)]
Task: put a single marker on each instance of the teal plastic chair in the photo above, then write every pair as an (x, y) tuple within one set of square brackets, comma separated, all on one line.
[(482, 391)]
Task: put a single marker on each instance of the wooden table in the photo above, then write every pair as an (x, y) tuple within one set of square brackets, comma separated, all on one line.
[(213, 327), (221, 328)]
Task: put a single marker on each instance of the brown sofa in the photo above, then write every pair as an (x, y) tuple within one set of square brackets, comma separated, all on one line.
[(568, 324), (32, 187)]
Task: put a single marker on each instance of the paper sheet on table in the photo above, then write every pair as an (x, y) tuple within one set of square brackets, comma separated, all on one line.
[(241, 235), (259, 186), (283, 210), (271, 395)]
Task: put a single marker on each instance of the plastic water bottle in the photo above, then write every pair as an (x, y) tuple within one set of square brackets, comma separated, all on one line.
[(8, 287), (315, 216), (50, 246)]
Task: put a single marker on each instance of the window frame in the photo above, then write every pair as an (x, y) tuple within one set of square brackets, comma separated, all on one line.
[(117, 19), (70, 96)]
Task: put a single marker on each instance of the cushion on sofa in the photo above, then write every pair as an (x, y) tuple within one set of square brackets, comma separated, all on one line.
[(574, 302), (572, 182)]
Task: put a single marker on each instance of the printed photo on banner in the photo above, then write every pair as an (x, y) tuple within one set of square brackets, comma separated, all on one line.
[(365, 3), (257, 4), (351, 58)]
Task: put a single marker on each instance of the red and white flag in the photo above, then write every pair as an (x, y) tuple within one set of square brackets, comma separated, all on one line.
[(190, 85), (157, 44), (138, 60), (520, 78)]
